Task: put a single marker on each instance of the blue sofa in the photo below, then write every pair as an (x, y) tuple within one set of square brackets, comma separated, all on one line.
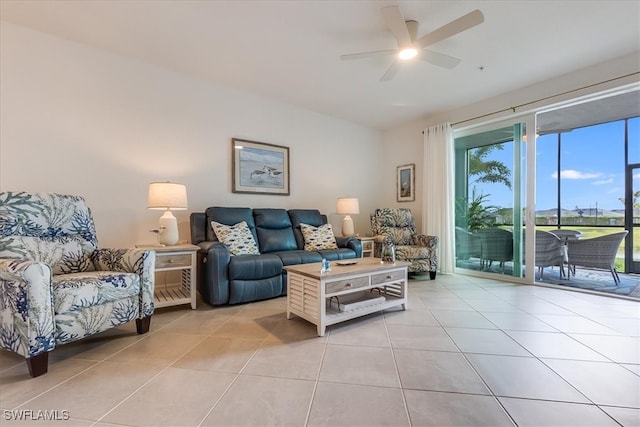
[(224, 278)]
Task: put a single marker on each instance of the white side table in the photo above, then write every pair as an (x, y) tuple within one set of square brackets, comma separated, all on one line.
[(368, 246), (180, 258)]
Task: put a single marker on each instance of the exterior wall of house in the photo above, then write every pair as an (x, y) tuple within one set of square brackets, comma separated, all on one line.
[(84, 121)]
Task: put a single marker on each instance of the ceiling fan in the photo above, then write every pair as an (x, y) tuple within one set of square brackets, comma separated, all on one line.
[(409, 46)]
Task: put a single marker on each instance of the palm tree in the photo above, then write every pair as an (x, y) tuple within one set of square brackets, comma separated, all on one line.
[(635, 202), (475, 214), (488, 171)]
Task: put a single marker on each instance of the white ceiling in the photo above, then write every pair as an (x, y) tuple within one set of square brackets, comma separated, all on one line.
[(289, 50)]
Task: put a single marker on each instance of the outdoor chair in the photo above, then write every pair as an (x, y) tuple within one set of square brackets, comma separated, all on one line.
[(396, 226), (468, 245), (550, 252), (496, 245), (598, 252), (56, 286)]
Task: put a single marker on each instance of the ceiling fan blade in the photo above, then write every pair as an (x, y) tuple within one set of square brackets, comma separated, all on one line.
[(395, 22), (367, 54), (439, 59), (459, 25), (391, 71)]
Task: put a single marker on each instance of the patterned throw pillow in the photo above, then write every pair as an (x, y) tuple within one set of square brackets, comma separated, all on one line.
[(316, 238), (237, 237)]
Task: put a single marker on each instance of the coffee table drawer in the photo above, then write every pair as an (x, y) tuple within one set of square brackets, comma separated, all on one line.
[(343, 285), (390, 276)]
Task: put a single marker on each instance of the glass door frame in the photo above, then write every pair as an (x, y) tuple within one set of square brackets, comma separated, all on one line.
[(631, 265), (528, 122)]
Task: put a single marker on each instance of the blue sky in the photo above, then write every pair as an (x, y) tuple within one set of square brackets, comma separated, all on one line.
[(592, 168)]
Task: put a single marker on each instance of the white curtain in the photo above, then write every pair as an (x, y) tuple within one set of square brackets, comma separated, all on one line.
[(438, 204)]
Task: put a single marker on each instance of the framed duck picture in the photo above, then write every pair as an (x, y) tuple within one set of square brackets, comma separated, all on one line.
[(259, 168)]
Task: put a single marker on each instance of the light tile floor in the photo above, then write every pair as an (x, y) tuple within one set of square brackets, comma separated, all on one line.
[(467, 352)]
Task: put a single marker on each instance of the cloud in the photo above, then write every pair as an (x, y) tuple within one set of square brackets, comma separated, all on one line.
[(574, 174), (603, 181), (616, 190)]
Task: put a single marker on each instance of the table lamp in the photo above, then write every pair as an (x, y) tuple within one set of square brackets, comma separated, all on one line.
[(347, 206), (167, 196)]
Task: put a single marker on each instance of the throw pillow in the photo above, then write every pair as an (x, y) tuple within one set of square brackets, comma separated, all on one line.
[(317, 238), (237, 237)]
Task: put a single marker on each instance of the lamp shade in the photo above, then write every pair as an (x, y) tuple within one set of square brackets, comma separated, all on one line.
[(167, 195), (348, 206)]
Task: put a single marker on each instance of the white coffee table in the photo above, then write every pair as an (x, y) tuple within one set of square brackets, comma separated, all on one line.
[(345, 292)]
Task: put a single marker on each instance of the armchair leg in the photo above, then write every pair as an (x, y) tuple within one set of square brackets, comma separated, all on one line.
[(38, 365), (142, 325), (432, 275)]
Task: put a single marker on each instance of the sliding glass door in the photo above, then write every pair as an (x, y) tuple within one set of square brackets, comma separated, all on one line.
[(490, 199), (632, 218)]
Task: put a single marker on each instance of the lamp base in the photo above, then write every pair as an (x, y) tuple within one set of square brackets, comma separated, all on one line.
[(347, 227), (168, 234)]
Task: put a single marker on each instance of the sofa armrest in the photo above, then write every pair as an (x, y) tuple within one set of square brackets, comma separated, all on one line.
[(213, 272), (26, 307), (139, 261), (350, 243)]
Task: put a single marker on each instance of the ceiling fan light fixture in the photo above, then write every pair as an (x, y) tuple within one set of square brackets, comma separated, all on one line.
[(408, 53)]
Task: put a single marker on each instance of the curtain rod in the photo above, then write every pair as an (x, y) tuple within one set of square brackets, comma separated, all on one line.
[(514, 108)]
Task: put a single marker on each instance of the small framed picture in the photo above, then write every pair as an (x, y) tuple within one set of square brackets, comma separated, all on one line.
[(259, 168), (406, 183)]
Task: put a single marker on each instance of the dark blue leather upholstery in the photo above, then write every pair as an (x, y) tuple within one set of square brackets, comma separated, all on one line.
[(226, 279), (274, 230), (298, 257)]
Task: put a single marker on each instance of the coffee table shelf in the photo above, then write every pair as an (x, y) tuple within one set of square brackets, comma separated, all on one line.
[(309, 292)]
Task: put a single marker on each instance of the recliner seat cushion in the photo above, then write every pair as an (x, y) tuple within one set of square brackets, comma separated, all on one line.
[(298, 257), (76, 291), (254, 267), (336, 254)]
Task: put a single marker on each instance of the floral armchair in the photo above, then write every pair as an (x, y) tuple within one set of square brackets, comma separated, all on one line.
[(396, 226), (56, 286)]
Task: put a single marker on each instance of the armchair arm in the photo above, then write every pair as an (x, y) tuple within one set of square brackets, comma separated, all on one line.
[(139, 261), (26, 307), (426, 241), (431, 243)]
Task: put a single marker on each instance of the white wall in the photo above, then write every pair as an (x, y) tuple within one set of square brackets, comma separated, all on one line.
[(403, 146), (83, 121), (406, 142)]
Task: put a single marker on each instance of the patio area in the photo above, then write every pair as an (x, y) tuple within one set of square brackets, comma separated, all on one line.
[(585, 278), (595, 280)]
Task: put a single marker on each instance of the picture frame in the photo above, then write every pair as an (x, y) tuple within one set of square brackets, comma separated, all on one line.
[(406, 183), (259, 168)]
